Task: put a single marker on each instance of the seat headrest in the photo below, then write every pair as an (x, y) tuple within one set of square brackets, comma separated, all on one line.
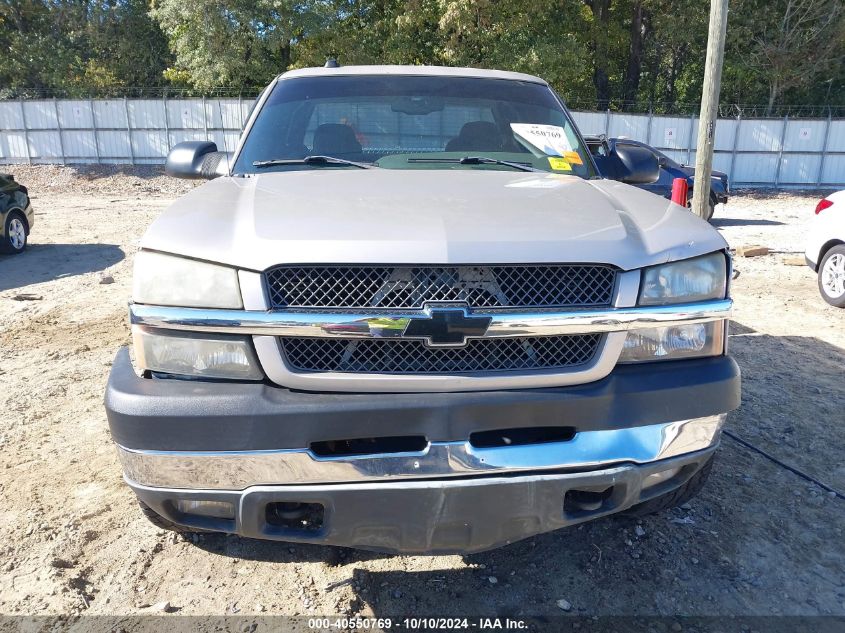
[(336, 139)]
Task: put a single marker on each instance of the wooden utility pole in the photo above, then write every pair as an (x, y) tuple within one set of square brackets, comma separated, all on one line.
[(709, 105)]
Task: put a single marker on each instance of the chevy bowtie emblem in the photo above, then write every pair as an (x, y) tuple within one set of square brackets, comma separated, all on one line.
[(447, 327)]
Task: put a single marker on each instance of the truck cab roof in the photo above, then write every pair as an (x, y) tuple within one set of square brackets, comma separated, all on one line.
[(430, 71)]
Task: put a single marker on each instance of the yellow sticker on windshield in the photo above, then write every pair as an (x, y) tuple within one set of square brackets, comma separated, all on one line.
[(559, 164), (574, 158)]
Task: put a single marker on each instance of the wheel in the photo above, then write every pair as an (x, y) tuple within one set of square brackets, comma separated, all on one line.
[(165, 524), (676, 497), (708, 212), (14, 234), (711, 208), (832, 276)]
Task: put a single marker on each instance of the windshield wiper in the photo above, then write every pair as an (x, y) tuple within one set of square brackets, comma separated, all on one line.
[(476, 160), (310, 160)]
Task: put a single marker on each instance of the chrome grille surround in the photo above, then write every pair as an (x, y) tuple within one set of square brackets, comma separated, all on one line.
[(415, 357), (411, 287)]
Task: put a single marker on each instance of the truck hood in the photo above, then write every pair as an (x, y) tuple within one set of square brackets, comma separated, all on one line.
[(426, 217)]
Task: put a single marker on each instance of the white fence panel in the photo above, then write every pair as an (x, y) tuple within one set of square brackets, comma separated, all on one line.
[(591, 123), (756, 169), (833, 173), (721, 161), (11, 115), (233, 112), (13, 148), (669, 132), (799, 169), (110, 114), (760, 136), (631, 125), (806, 152), (725, 135), (147, 113), (45, 144), (836, 136), (186, 114), (178, 136), (149, 144), (79, 145), (114, 146), (40, 115), (804, 136)]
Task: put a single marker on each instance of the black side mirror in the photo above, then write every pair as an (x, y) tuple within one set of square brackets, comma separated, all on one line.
[(638, 165), (196, 160)]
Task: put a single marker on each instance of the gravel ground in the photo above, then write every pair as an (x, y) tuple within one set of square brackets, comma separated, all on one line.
[(758, 540)]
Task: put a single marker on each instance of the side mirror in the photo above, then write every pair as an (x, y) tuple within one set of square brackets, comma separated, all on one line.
[(639, 165), (196, 160), (661, 161)]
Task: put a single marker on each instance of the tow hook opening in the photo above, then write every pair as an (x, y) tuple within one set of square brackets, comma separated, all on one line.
[(295, 515), (521, 436), (579, 502), (370, 446)]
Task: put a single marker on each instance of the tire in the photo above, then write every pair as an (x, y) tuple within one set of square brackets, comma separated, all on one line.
[(708, 213), (15, 234), (675, 498), (165, 524), (832, 276), (711, 208)]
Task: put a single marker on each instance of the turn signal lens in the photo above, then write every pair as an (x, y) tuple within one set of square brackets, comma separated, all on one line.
[(195, 356), (674, 342)]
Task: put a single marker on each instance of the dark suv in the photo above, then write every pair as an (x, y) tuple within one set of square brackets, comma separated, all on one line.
[(605, 150), (16, 215)]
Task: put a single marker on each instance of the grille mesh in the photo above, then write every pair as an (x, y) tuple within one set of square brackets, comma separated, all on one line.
[(408, 287), (414, 357)]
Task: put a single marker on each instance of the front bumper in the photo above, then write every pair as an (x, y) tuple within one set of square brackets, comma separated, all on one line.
[(250, 445), (433, 516)]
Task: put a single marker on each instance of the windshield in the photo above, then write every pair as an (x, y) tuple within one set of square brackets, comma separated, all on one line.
[(412, 122)]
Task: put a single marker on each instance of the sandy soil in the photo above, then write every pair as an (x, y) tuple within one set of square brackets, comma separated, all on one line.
[(758, 540)]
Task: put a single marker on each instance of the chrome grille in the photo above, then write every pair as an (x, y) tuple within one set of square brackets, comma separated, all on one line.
[(414, 357), (410, 287)]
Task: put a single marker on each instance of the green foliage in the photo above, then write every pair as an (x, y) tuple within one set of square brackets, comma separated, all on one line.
[(78, 46), (615, 53)]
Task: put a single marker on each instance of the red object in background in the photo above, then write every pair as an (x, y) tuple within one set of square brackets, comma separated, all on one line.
[(822, 205), (679, 191)]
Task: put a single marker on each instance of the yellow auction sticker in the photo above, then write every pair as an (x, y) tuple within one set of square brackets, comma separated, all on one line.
[(574, 158), (559, 164)]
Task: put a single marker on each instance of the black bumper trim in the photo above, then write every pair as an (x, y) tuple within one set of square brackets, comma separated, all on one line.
[(202, 416)]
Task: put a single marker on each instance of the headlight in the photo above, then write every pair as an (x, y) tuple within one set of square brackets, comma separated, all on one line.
[(203, 357), (674, 342), (688, 280), (177, 281)]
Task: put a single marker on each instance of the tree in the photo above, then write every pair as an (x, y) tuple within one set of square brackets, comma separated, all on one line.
[(600, 36), (633, 69), (798, 41), (235, 42), (78, 47)]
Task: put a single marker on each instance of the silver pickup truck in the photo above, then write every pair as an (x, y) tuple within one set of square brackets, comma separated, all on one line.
[(406, 315)]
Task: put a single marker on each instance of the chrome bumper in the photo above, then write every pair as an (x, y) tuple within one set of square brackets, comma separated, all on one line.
[(429, 516), (237, 470), (265, 325), (362, 325)]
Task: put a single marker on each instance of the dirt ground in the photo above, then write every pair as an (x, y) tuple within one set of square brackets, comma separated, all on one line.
[(758, 540)]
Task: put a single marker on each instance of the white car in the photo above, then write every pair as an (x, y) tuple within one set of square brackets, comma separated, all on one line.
[(825, 252)]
